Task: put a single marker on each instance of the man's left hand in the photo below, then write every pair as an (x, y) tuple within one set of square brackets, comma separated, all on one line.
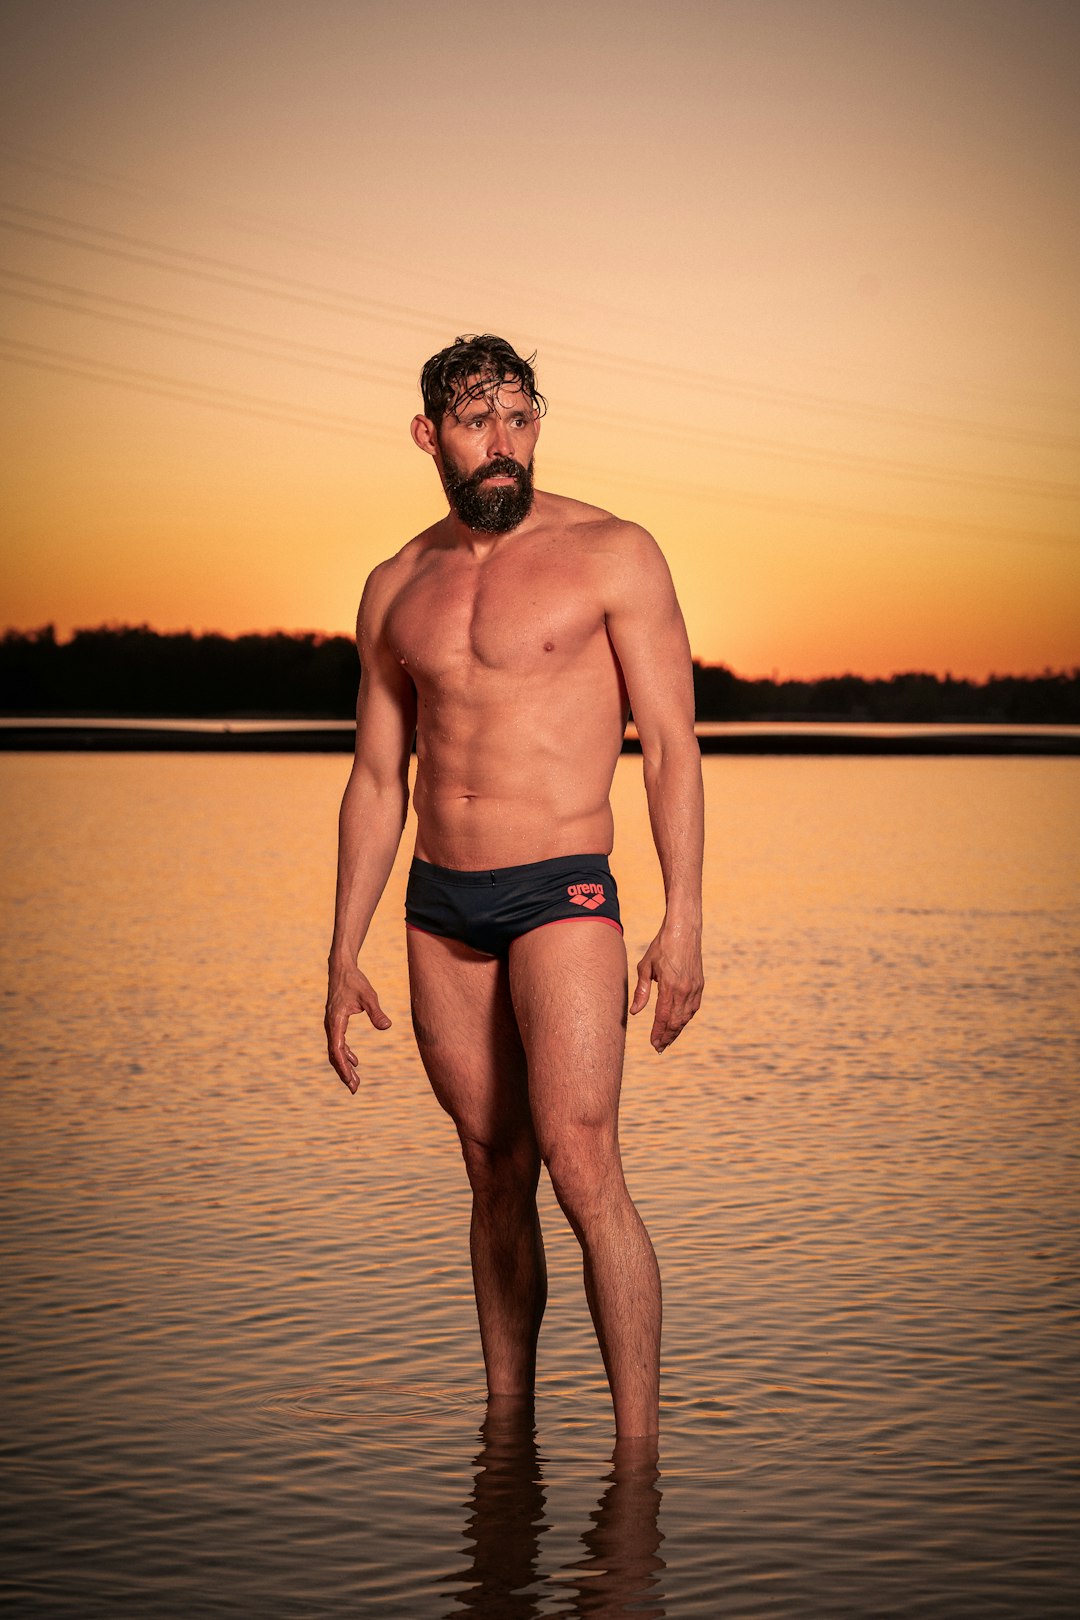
[(674, 961)]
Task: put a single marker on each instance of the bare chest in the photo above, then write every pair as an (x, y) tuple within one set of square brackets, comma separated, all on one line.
[(459, 619)]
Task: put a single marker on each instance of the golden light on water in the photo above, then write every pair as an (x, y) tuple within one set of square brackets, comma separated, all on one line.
[(243, 1354)]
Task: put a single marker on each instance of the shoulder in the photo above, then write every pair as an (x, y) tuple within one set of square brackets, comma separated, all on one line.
[(625, 559), (600, 534), (630, 574), (626, 568), (389, 578)]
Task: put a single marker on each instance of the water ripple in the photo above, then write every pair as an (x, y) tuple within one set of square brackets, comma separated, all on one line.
[(240, 1348)]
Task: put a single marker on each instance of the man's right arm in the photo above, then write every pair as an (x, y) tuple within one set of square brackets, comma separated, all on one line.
[(371, 820)]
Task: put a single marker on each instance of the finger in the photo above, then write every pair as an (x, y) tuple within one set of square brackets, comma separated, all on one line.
[(663, 1039), (660, 1039), (337, 1030), (341, 1053), (671, 1015), (668, 1034), (370, 1004), (664, 1008), (665, 1002), (644, 988), (679, 1015), (344, 1065)]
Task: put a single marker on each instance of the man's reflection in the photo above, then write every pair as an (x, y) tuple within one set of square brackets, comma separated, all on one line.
[(623, 1560), (506, 1519), (506, 1515)]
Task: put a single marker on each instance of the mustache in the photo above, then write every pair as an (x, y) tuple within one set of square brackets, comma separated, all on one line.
[(498, 467)]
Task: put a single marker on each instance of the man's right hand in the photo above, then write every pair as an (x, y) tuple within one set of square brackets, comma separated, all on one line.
[(350, 992)]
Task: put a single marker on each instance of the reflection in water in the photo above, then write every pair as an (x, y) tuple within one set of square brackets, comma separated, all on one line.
[(862, 1165), (506, 1520), (506, 1517), (620, 1573)]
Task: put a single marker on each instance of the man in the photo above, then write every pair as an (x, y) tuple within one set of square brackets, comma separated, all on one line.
[(509, 637)]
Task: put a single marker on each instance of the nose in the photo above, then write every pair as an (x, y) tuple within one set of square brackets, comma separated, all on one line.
[(501, 442)]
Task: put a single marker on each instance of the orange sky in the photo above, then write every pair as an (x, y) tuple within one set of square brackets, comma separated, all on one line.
[(801, 275)]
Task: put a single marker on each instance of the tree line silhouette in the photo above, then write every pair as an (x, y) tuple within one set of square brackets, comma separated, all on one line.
[(133, 670)]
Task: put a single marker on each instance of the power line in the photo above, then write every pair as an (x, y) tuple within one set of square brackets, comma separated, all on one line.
[(205, 260), (684, 433), (365, 371), (73, 170), (192, 393), (716, 495), (891, 415), (269, 229), (226, 273), (779, 450), (153, 383)]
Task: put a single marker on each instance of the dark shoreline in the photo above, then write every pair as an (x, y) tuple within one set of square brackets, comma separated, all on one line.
[(213, 737)]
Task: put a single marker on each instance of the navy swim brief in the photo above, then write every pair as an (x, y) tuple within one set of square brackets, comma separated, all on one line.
[(487, 910)]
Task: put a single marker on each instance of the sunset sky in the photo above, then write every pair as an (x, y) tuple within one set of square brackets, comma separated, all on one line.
[(801, 275)]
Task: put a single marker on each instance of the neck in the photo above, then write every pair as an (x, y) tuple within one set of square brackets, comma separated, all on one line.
[(479, 541)]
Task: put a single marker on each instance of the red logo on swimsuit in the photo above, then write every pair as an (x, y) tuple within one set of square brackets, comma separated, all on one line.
[(589, 895)]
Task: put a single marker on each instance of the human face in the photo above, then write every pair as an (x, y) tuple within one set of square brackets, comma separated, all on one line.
[(485, 455)]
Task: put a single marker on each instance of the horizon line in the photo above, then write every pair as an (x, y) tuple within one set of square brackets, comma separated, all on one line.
[(48, 631)]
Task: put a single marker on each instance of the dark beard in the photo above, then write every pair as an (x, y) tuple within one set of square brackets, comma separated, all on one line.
[(491, 511)]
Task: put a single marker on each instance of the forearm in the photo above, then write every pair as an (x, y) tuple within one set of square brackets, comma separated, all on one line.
[(676, 798), (369, 831)]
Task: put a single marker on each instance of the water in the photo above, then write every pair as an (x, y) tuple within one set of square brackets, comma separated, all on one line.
[(240, 1352)]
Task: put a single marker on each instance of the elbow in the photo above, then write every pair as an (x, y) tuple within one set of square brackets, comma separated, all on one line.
[(370, 797), (664, 756)]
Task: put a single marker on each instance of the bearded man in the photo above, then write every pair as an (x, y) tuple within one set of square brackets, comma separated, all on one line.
[(510, 638)]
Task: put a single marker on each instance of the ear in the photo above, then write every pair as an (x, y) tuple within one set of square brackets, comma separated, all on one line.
[(425, 435)]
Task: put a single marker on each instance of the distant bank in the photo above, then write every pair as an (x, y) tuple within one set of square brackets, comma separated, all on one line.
[(136, 671), (145, 735)]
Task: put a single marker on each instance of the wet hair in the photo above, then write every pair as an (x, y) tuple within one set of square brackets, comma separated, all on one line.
[(468, 368)]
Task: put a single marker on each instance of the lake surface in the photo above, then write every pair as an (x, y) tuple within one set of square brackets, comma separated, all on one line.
[(242, 1369)]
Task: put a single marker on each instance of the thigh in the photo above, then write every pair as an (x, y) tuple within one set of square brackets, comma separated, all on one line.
[(467, 1035), (568, 982)]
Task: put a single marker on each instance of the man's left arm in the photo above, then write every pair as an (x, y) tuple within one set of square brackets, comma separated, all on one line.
[(649, 637)]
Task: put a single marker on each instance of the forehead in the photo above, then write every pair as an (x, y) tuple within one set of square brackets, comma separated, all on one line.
[(486, 393)]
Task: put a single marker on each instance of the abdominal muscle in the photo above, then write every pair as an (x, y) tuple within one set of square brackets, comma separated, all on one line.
[(501, 796)]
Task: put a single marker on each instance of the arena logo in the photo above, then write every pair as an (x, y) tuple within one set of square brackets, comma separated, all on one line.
[(589, 895)]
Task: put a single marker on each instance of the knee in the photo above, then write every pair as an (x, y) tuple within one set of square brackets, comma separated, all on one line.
[(585, 1171), (500, 1169)]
